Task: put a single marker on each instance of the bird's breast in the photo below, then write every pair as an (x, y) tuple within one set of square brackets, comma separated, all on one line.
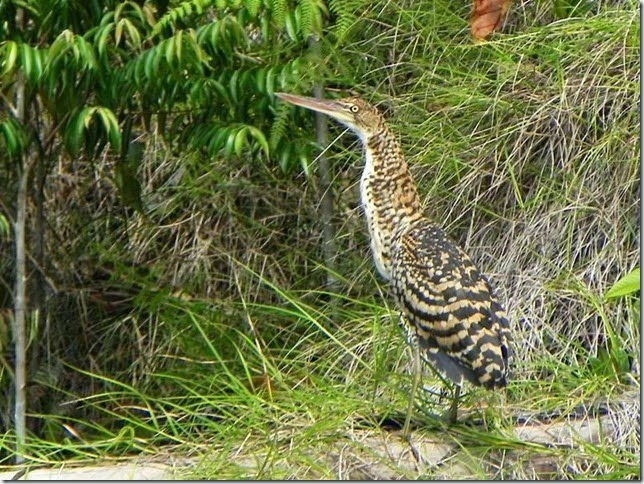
[(390, 204), (379, 234)]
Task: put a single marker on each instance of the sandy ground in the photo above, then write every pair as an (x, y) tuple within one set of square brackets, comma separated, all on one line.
[(385, 455), (126, 471)]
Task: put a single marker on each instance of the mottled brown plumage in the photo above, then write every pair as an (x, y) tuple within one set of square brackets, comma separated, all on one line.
[(449, 306)]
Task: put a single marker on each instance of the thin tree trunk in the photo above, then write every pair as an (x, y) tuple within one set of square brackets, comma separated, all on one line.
[(20, 293), (325, 174), (38, 283), (20, 313)]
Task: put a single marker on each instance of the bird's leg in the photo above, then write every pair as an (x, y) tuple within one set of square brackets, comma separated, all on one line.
[(414, 387), (453, 411)]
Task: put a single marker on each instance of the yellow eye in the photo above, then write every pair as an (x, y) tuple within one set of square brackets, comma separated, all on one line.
[(354, 108)]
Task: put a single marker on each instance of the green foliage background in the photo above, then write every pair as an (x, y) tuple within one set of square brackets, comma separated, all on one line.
[(174, 236)]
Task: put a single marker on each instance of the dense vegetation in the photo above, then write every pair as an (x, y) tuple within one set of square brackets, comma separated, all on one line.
[(180, 289)]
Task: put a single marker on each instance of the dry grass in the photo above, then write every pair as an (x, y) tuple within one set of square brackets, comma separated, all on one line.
[(525, 148)]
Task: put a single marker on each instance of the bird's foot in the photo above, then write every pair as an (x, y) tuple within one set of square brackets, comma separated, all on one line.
[(451, 416)]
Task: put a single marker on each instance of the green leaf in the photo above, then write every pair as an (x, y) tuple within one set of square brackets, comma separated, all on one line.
[(111, 125), (230, 142), (270, 80), (14, 136), (84, 51), (169, 49), (218, 140), (260, 138), (31, 62), (178, 40), (233, 86), (291, 26), (305, 163), (86, 116), (10, 56), (628, 284), (151, 63), (75, 134), (9, 137), (5, 226), (102, 39), (240, 141), (133, 33), (118, 32)]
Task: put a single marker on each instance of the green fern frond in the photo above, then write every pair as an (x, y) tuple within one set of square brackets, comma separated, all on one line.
[(307, 10), (279, 128), (252, 6), (225, 36), (346, 17), (182, 14), (278, 12)]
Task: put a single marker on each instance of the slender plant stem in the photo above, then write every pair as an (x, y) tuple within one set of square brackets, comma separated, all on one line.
[(329, 249), (20, 290), (19, 318)]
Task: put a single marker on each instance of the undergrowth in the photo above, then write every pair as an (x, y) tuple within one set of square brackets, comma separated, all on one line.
[(208, 331)]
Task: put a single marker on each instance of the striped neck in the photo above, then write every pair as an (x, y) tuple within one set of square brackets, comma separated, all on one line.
[(389, 196)]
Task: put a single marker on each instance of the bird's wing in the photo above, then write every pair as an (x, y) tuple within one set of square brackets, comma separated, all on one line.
[(450, 306)]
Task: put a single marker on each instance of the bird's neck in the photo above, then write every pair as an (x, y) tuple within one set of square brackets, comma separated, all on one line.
[(388, 193)]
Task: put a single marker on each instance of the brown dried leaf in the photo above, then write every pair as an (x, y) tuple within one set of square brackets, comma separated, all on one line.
[(487, 16)]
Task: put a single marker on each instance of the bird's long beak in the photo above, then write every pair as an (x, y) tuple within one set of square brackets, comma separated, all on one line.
[(325, 106)]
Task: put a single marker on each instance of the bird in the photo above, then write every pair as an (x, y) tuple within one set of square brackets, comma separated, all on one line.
[(451, 311)]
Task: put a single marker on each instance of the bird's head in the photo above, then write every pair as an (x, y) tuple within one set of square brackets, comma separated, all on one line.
[(354, 112)]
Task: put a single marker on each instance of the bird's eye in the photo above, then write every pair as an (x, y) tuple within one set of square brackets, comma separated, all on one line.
[(354, 108)]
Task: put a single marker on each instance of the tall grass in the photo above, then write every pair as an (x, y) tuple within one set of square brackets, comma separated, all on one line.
[(525, 148)]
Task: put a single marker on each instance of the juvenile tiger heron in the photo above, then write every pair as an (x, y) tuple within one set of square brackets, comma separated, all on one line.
[(450, 308)]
